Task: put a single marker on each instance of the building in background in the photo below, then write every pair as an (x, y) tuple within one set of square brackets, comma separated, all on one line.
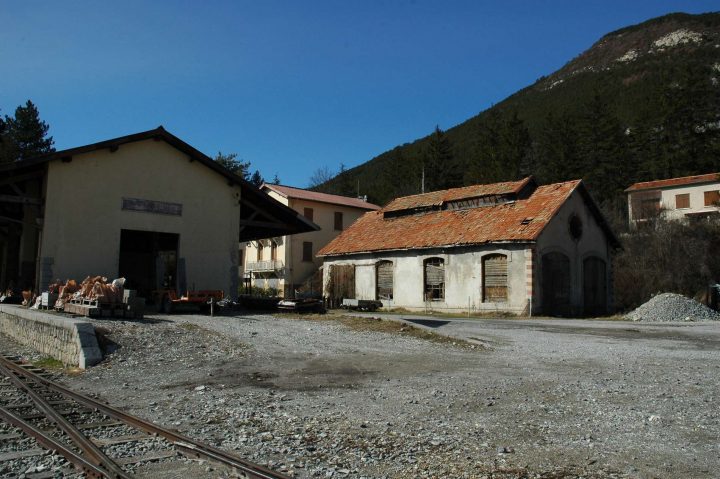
[(287, 263), (675, 198), (510, 247), (147, 207)]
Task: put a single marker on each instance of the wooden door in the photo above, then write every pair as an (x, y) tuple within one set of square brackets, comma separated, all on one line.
[(594, 286), (555, 284)]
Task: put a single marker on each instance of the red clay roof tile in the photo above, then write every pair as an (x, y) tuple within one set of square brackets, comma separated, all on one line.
[(685, 180), (502, 222)]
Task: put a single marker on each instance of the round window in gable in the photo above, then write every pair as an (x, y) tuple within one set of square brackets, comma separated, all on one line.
[(575, 227)]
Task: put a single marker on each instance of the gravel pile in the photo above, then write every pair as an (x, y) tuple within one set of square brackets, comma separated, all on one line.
[(670, 307)]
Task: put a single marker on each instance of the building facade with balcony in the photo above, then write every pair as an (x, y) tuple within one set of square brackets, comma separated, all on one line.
[(674, 198), (285, 263)]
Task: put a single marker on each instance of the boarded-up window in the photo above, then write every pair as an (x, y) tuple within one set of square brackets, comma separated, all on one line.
[(259, 251), (682, 201), (712, 198), (434, 279), (308, 213), (307, 251), (495, 278), (338, 221), (385, 280), (645, 204), (342, 282)]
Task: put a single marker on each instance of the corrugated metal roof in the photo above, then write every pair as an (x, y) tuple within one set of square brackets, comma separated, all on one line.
[(299, 193), (522, 220), (685, 180)]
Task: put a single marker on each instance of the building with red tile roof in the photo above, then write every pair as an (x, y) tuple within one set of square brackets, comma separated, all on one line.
[(511, 246), (674, 198)]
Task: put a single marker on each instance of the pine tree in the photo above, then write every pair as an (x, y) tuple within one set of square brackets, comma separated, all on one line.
[(230, 161), (25, 134), (440, 170), (4, 143), (504, 147), (603, 149), (257, 179), (556, 149)]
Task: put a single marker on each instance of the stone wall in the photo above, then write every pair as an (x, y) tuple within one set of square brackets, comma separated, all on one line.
[(68, 340)]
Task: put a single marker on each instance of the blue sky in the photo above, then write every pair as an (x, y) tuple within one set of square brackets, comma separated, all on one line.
[(290, 86)]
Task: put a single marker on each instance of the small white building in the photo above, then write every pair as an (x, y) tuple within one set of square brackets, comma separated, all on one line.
[(506, 247), (286, 262), (674, 198)]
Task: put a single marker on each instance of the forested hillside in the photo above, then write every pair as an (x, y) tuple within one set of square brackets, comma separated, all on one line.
[(642, 103)]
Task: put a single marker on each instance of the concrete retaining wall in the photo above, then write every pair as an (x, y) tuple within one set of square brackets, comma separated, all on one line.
[(68, 340)]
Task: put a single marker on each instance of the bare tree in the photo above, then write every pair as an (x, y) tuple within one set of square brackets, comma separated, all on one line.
[(320, 176)]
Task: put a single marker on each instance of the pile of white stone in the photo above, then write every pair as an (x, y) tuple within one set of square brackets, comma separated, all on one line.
[(673, 307)]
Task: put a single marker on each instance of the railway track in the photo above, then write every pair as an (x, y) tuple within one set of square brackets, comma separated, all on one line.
[(95, 438)]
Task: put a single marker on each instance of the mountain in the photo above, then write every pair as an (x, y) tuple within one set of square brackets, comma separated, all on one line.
[(642, 103)]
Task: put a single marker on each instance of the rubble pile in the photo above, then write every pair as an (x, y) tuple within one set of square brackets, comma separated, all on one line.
[(669, 307)]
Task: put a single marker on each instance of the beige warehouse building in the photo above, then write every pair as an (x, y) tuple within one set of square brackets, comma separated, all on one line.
[(148, 207)]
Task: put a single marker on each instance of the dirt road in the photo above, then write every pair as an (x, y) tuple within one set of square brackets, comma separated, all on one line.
[(543, 398)]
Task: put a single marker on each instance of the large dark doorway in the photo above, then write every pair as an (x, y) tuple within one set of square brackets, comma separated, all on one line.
[(594, 286), (148, 260), (555, 284)]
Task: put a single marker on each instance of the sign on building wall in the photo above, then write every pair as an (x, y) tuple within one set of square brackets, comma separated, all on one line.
[(150, 206)]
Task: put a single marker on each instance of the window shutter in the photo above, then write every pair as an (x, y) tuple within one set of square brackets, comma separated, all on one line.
[(495, 278)]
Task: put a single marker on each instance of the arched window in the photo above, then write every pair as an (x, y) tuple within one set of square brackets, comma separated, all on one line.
[(434, 269), (495, 288), (384, 277)]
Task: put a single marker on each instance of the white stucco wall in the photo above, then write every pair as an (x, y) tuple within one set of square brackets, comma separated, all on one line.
[(463, 278), (83, 215), (556, 238)]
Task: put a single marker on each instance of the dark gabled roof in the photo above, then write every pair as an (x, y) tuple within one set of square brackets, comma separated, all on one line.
[(521, 220), (158, 133), (277, 219)]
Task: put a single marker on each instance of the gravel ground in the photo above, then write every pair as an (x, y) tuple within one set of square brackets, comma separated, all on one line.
[(672, 307), (547, 399)]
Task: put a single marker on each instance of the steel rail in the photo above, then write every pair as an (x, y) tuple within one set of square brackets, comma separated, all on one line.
[(93, 452), (253, 471), (50, 443)]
